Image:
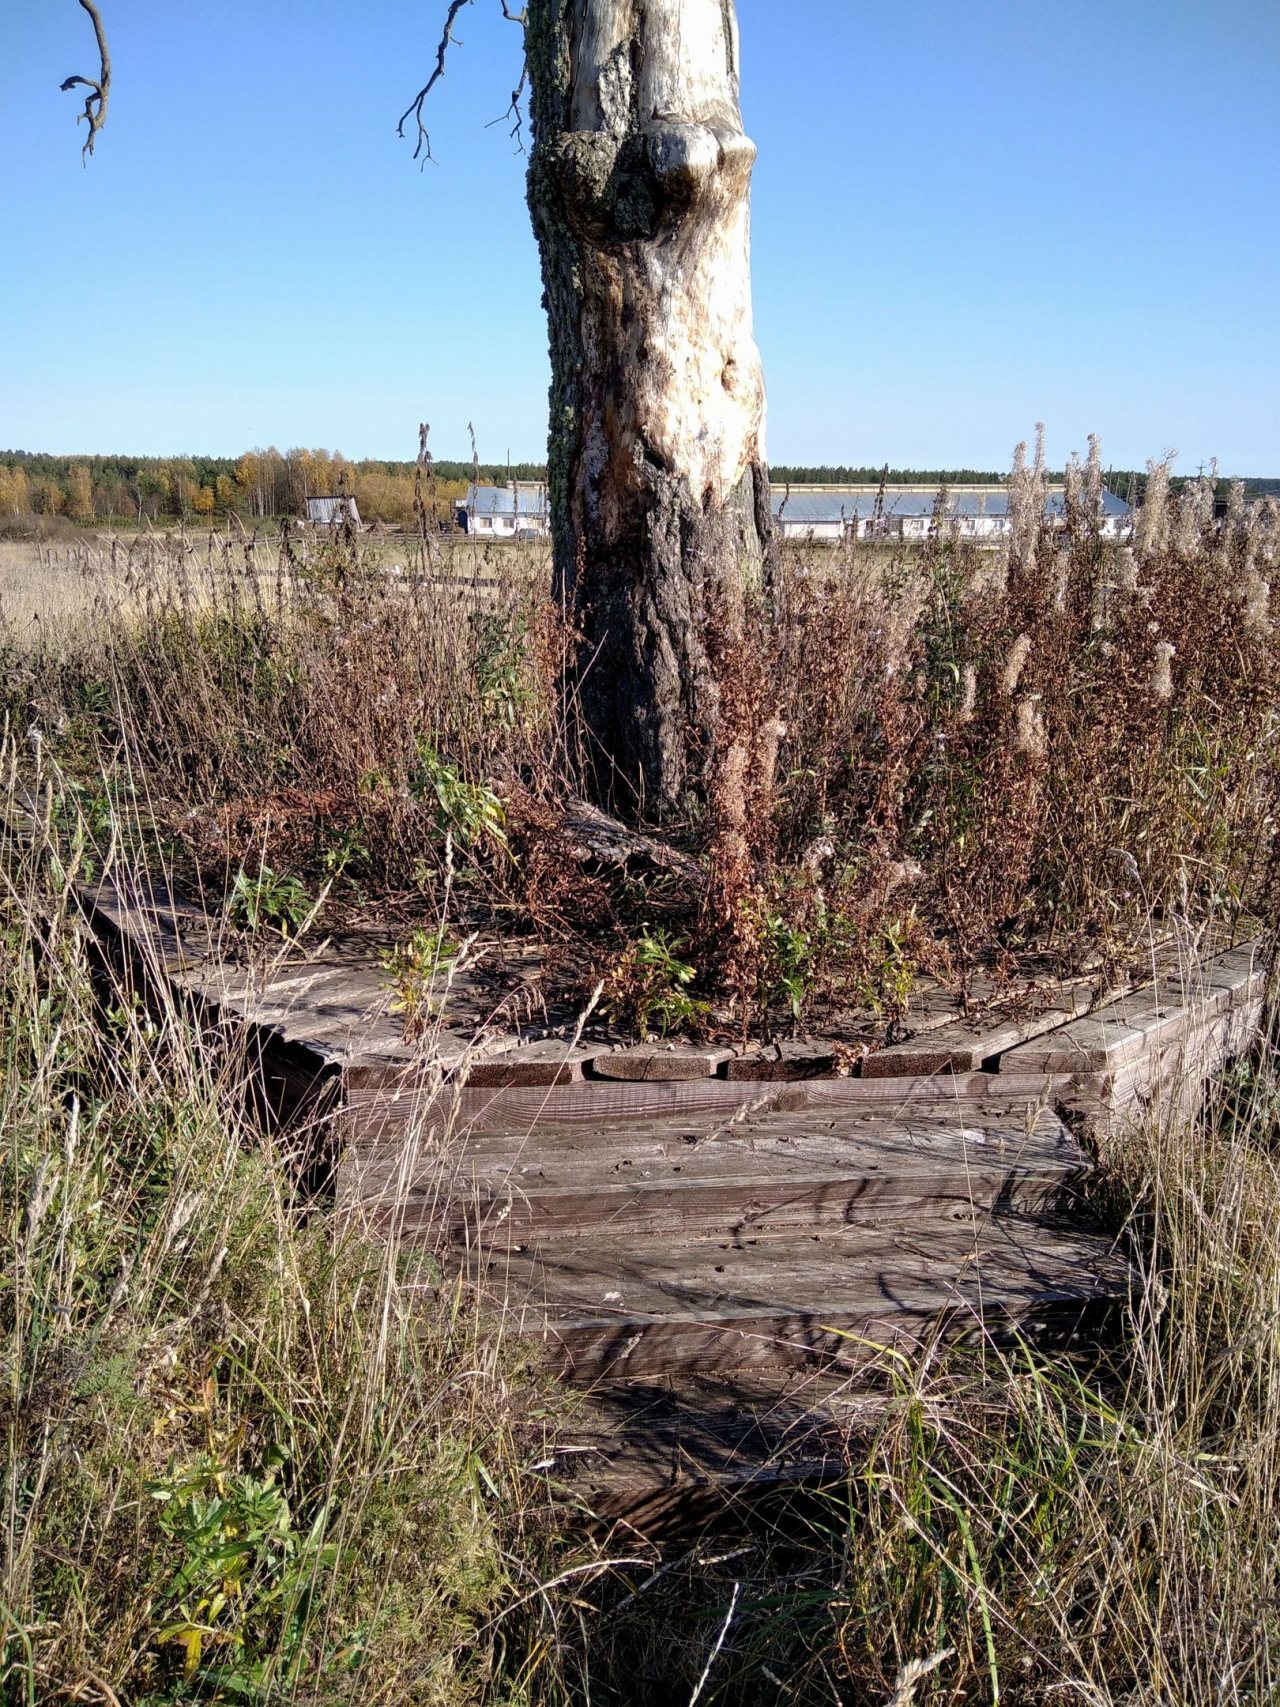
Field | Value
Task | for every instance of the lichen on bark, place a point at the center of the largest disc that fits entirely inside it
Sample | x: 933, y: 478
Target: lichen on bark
x: 639, y: 184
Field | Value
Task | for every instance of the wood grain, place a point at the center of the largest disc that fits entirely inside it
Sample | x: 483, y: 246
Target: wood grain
x: 688, y: 1305
x: 772, y: 1171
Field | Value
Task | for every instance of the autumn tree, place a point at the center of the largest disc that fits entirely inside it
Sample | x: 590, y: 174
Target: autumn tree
x: 80, y: 493
x: 15, y: 492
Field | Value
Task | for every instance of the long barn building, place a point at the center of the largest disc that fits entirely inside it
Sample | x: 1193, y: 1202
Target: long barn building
x: 821, y: 513
x: 835, y: 513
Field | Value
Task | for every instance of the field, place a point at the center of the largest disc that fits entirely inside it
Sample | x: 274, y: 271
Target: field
x: 50, y: 581
x: 245, y: 1461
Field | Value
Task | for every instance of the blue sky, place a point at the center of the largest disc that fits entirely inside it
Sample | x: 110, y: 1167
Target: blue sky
x: 969, y: 215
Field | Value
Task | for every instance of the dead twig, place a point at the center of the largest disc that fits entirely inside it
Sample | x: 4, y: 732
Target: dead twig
x: 95, y: 105
x: 416, y: 107
x: 422, y: 150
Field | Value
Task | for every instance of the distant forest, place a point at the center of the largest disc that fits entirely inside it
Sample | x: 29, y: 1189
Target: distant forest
x: 259, y: 485
x: 267, y: 484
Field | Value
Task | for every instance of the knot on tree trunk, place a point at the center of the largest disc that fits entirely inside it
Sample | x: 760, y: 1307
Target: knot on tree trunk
x: 640, y: 186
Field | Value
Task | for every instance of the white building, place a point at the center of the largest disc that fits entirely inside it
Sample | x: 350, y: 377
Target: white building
x: 332, y: 512
x: 835, y: 513
x: 828, y: 514
x: 517, y: 511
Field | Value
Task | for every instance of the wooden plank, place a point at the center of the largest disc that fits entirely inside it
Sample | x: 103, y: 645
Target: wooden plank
x: 1171, y: 1080
x: 773, y: 1172
x: 1115, y: 1036
x: 667, y: 1450
x: 1187, y: 969
x: 789, y: 1058
x: 169, y: 934
x: 549, y: 1061
x: 966, y: 1045
x: 688, y: 1305
x: 958, y: 1048
x: 1092, y: 1045
x: 927, y: 1137
x: 660, y: 1063
x: 374, y: 1110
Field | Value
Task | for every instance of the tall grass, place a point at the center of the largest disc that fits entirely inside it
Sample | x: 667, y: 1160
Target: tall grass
x: 957, y: 757
x: 250, y: 1456
x: 246, y: 1454
x: 1041, y: 747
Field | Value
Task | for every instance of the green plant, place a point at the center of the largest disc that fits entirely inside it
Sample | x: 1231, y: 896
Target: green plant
x: 648, y: 987
x: 498, y: 662
x: 891, y: 975
x: 468, y: 811
x: 789, y: 955
x: 240, y: 1603
x: 268, y: 900
x: 350, y: 849
x: 413, y: 970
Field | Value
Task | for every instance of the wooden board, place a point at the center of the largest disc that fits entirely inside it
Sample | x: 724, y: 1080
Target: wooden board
x: 960, y: 1047
x: 808, y: 1058
x: 1119, y: 1034
x: 657, y: 1063
x: 668, y: 1451
x: 684, y: 1305
x: 769, y: 1173
x: 1171, y: 1080
x: 548, y: 1061
x: 373, y: 1113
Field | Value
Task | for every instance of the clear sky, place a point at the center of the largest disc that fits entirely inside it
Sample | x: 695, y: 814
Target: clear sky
x: 969, y: 215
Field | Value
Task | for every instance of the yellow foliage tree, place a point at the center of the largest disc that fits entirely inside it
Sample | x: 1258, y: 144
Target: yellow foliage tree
x: 80, y: 493
x: 48, y: 498
x: 15, y: 492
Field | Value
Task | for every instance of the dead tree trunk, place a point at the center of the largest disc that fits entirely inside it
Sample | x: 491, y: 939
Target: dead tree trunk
x: 639, y: 186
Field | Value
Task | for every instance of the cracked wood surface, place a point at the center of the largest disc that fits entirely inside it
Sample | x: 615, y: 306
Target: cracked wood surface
x: 827, y: 1298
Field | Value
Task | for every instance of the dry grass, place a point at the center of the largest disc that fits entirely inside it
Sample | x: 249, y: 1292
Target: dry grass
x: 1041, y: 750
x: 983, y: 759
x: 246, y: 1453
x: 57, y: 583
x: 44, y: 588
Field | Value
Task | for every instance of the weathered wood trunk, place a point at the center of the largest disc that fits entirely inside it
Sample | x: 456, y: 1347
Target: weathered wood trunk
x: 639, y: 186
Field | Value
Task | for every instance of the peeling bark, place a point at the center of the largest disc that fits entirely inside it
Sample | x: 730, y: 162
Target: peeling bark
x: 639, y: 187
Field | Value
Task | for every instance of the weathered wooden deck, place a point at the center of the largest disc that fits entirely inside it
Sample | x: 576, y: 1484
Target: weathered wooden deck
x: 715, y: 1242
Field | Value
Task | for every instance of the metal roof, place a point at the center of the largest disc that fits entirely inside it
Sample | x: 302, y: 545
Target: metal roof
x: 815, y: 507
x: 502, y: 501
x: 809, y: 508
x: 856, y: 503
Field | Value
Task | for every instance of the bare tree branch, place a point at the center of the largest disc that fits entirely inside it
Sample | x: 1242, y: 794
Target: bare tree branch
x: 414, y: 110
x: 513, y: 111
x: 95, y: 106
x: 513, y: 107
